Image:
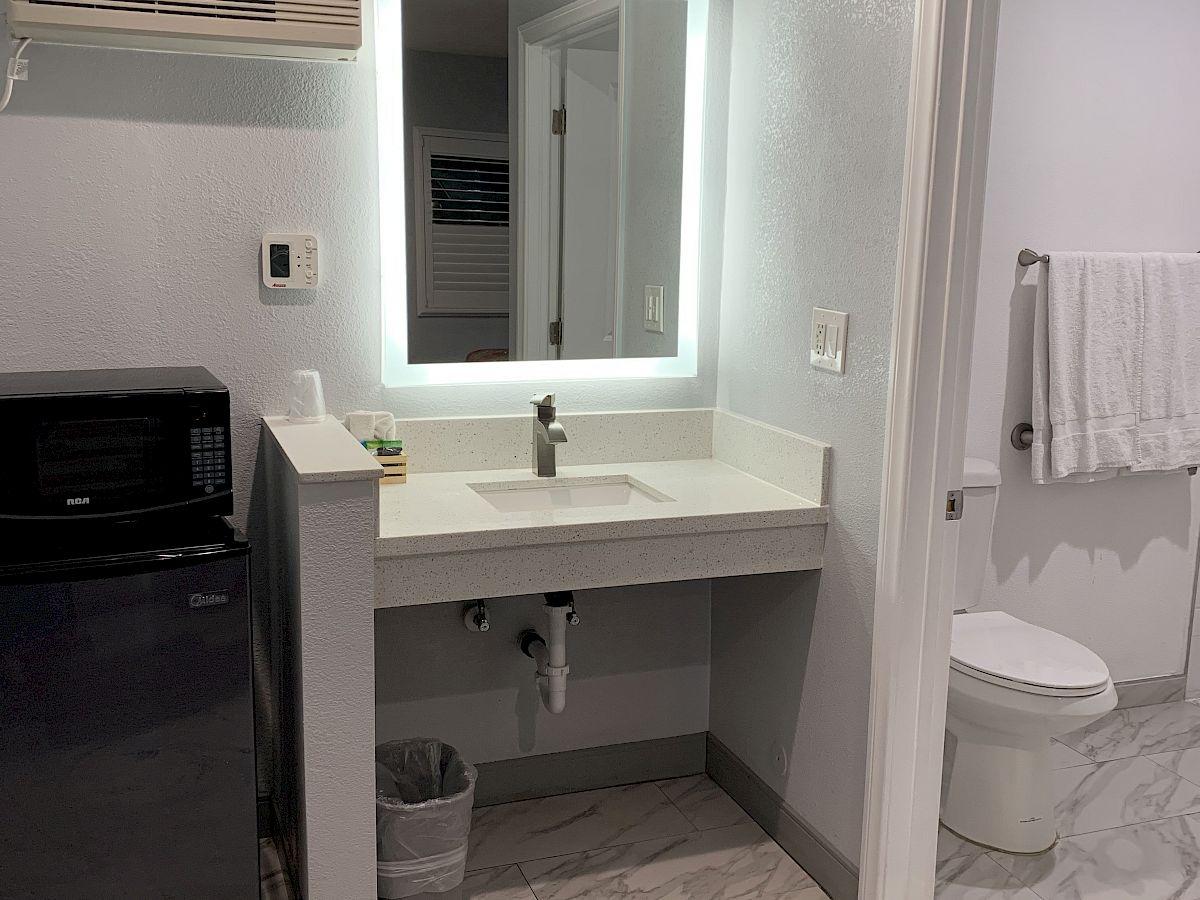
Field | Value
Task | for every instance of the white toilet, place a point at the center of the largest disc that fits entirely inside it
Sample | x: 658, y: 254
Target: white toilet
x: 1013, y: 687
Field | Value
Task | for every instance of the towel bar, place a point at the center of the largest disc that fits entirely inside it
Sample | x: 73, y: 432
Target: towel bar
x: 1022, y: 436
x: 1022, y: 439
x: 1027, y: 257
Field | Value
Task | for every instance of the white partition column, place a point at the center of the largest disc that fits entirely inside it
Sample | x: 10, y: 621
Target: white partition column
x: 324, y: 521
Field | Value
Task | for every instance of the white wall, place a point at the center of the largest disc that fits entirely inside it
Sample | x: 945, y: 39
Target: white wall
x: 817, y: 128
x: 135, y: 189
x: 1092, y: 147
x: 465, y: 93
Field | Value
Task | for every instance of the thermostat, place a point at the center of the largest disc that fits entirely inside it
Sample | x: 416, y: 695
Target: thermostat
x: 289, y: 261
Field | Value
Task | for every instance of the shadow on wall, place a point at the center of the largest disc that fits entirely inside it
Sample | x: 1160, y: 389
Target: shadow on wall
x: 185, y: 89
x: 1033, y: 522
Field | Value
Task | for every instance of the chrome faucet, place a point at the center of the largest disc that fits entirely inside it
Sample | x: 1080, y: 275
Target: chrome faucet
x: 546, y: 433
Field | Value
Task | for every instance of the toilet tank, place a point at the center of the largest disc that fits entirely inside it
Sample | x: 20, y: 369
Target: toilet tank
x: 981, y: 482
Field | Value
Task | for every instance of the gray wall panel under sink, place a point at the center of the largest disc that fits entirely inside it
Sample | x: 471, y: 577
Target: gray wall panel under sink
x: 639, y: 671
x: 590, y: 768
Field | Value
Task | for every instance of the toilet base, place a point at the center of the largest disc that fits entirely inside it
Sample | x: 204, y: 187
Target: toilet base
x: 1000, y: 792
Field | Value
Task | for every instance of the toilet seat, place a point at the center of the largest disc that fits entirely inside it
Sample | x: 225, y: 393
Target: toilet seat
x: 1001, y: 649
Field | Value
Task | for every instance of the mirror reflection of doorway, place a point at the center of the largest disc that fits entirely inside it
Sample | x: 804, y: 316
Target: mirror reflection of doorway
x: 587, y: 196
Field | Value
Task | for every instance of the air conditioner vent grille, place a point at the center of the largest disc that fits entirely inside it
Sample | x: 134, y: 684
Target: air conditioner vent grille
x: 322, y: 12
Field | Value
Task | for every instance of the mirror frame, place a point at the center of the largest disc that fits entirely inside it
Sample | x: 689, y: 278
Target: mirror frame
x: 393, y: 214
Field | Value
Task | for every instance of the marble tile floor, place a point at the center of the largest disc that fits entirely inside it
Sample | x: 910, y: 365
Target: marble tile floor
x: 1128, y: 807
x: 683, y: 839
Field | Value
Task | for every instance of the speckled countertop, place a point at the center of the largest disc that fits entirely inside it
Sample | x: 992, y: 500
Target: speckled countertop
x: 440, y: 513
x: 322, y: 451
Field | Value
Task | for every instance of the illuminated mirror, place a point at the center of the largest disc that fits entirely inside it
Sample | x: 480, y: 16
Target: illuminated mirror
x: 540, y: 190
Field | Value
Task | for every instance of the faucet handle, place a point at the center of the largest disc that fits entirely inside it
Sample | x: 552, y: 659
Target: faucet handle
x: 542, y: 400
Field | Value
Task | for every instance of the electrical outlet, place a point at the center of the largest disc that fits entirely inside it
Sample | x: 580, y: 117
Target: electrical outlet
x: 828, y: 349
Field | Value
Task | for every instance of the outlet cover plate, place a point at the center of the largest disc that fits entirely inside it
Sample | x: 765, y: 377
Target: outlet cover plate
x: 654, y: 308
x: 827, y: 346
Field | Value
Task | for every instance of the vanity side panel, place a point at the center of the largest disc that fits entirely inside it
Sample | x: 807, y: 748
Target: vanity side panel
x: 337, y: 673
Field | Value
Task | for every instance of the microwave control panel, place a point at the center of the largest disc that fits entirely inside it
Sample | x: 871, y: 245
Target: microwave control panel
x: 209, y: 457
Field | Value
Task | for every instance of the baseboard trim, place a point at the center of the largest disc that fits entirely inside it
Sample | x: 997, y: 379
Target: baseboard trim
x: 837, y: 875
x: 590, y: 768
x: 1149, y: 691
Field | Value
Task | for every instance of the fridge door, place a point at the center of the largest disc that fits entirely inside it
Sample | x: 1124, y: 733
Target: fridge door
x: 126, y: 732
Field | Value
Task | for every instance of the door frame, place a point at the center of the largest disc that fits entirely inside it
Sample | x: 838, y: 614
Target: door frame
x: 538, y: 95
x: 937, y: 269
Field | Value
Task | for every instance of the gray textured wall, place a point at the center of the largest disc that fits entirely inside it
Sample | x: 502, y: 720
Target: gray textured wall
x: 817, y: 131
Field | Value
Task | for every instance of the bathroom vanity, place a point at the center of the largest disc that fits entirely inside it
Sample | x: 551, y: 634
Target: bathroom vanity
x: 495, y: 530
x: 638, y: 498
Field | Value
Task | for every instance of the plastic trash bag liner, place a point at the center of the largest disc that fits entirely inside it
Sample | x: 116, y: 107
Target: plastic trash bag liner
x: 424, y: 791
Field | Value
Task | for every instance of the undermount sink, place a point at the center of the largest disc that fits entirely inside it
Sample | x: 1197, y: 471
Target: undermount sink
x: 568, y: 493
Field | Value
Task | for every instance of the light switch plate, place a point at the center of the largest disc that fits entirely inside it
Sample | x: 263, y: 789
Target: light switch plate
x: 654, y: 308
x: 827, y: 349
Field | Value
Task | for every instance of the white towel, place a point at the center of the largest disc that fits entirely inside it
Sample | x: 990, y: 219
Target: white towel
x: 1087, y: 347
x: 367, y: 425
x: 1169, y: 407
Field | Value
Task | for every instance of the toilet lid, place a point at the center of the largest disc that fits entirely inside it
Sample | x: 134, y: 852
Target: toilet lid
x: 1004, y: 647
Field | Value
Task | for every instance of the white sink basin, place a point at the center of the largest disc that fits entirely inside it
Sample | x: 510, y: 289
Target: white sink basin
x: 568, y: 493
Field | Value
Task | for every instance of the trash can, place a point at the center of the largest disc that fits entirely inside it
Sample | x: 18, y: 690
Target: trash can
x: 424, y: 791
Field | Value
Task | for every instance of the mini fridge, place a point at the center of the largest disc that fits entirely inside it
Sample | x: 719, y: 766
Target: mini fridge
x: 126, y: 714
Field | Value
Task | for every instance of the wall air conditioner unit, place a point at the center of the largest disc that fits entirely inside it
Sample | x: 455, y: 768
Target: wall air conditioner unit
x: 290, y: 29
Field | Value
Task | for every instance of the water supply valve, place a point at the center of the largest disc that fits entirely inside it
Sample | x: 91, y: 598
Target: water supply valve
x: 476, y: 617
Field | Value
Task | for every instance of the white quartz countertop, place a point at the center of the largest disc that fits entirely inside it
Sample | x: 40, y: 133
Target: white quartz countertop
x: 322, y: 451
x: 440, y: 512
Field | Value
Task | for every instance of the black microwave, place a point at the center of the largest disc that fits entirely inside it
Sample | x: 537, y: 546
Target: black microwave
x: 113, y: 444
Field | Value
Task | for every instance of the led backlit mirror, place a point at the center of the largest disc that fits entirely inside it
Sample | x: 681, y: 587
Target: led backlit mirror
x: 539, y: 175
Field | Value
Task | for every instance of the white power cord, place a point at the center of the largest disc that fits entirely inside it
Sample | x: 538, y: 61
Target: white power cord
x: 18, y: 70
